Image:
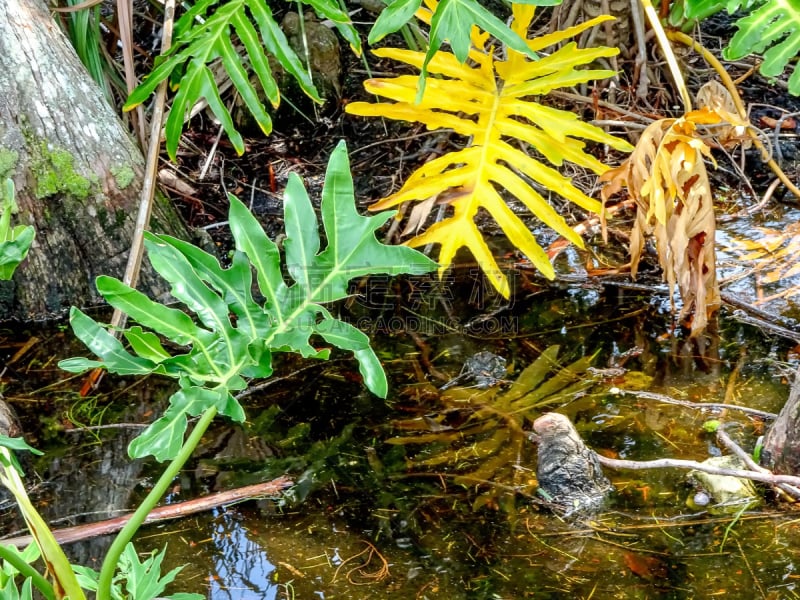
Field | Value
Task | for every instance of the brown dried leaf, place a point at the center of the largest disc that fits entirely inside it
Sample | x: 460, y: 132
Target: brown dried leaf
x: 419, y: 214
x: 666, y: 177
x: 714, y: 96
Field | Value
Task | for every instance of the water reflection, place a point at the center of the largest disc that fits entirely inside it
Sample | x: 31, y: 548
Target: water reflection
x: 240, y: 569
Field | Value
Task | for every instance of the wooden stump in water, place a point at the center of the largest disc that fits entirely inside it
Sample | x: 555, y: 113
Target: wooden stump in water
x: 567, y: 472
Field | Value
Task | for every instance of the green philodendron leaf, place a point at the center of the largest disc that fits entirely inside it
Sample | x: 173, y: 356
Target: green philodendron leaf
x: 332, y: 11
x: 250, y: 239
x: 771, y: 28
x: 169, y: 322
x: 186, y: 285
x: 452, y: 21
x: 204, y: 34
x: 345, y: 336
x: 392, y: 18
x: 217, y: 356
x: 235, y: 283
x: 114, y: 356
x: 302, y: 235
x: 164, y: 437
x: 14, y: 241
x: 13, y: 252
x: 143, y: 578
x: 353, y: 250
x: 146, y: 344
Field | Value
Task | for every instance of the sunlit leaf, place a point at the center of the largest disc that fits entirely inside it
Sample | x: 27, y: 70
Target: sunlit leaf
x: 511, y: 138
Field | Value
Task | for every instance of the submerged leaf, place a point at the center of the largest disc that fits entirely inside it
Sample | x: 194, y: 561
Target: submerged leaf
x: 491, y: 437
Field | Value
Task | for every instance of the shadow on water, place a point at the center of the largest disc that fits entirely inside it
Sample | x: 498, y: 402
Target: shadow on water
x: 371, y: 519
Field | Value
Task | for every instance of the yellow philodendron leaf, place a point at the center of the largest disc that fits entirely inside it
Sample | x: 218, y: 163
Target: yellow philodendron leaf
x: 512, y: 137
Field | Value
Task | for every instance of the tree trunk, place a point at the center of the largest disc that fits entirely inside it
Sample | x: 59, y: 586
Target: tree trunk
x: 78, y: 173
x: 781, y: 452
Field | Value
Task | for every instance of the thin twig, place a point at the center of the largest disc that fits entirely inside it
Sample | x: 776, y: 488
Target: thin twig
x: 752, y: 573
x: 726, y: 441
x: 675, y: 463
x: 701, y: 405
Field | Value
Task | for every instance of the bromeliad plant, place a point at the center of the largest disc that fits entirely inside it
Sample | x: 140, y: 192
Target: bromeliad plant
x: 512, y: 137
x: 233, y: 337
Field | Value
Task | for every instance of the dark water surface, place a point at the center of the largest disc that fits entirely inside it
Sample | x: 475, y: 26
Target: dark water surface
x: 371, y: 519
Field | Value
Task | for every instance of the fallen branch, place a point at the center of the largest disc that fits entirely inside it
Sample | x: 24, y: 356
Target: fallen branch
x: 790, y: 490
x: 674, y: 463
x: 702, y: 405
x: 69, y: 535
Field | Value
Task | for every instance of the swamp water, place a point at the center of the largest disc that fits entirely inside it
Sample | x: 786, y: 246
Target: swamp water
x: 449, y: 514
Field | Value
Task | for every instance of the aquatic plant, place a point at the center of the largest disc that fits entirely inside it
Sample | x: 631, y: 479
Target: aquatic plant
x: 219, y: 353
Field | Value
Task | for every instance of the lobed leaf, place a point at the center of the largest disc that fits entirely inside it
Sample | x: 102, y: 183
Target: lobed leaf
x: 170, y: 322
x: 110, y: 350
x: 164, y: 437
x: 204, y: 35
x: 222, y: 351
x: 770, y: 28
x: 491, y: 103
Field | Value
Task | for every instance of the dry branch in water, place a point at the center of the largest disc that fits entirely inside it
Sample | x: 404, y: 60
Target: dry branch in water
x: 674, y: 463
x: 69, y: 535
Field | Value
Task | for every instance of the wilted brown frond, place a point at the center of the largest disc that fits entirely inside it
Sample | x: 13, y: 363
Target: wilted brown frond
x: 666, y: 177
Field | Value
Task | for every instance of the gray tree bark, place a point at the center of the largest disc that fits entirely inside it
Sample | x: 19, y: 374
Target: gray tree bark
x: 781, y: 452
x: 77, y: 172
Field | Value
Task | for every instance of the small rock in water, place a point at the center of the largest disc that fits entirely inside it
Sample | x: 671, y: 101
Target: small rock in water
x: 723, y: 494
x: 485, y: 368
